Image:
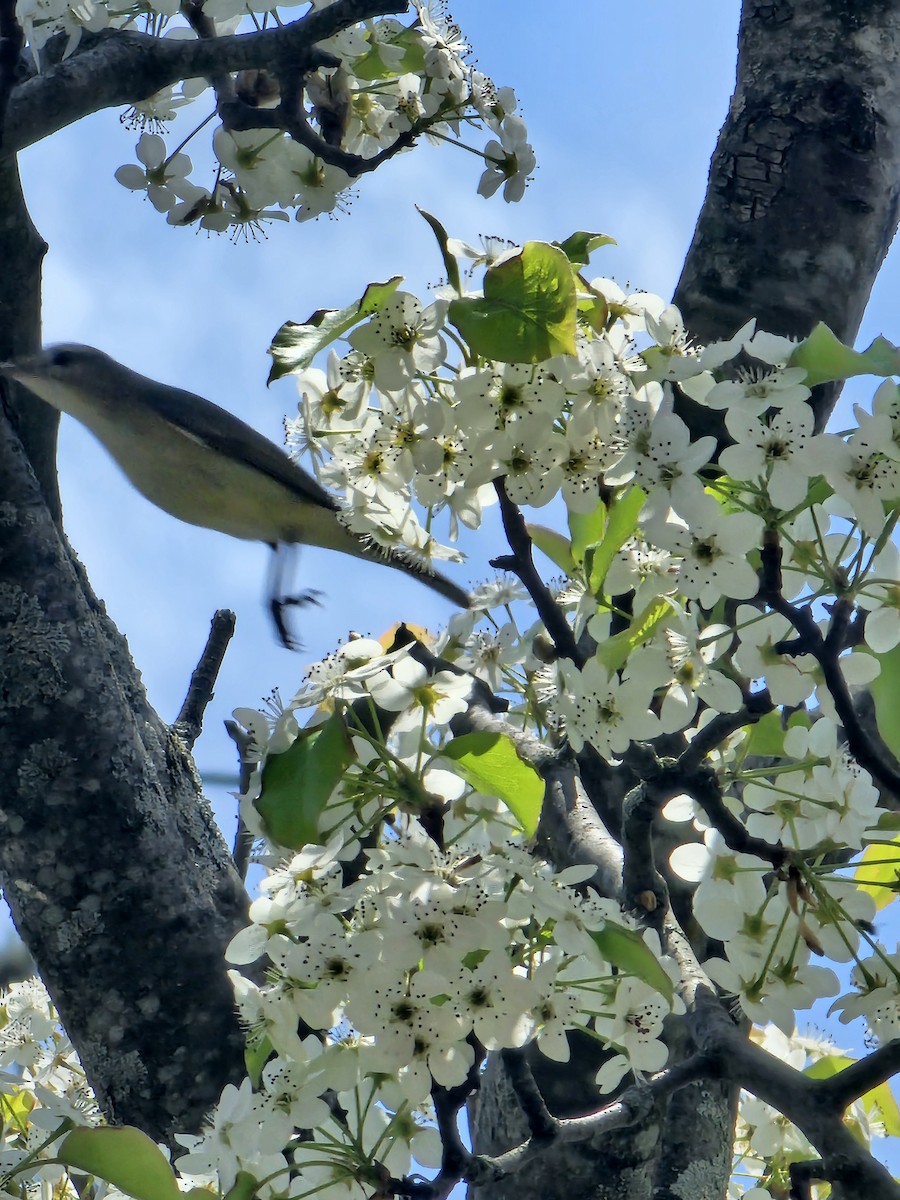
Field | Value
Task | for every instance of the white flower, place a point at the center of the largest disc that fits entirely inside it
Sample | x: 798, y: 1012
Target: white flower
x: 408, y: 685
x: 858, y: 469
x: 600, y: 709
x: 753, y: 391
x: 164, y: 180
x: 401, y: 339
x: 789, y: 679
x: 714, y: 545
x: 730, y: 885
x: 771, y: 454
x: 509, y: 161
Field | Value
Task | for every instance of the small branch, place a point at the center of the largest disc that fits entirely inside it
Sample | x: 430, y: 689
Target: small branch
x: 522, y: 565
x: 643, y: 887
x: 803, y: 1175
x: 189, y: 721
x: 854, y: 1081
x: 542, y: 1125
x: 635, y: 1103
x: 704, y: 788
x: 826, y: 651
x: 121, y: 67
x: 243, y: 838
x: 756, y: 705
x: 571, y: 830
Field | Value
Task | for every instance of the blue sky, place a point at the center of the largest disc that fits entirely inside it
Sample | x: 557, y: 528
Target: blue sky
x: 624, y: 104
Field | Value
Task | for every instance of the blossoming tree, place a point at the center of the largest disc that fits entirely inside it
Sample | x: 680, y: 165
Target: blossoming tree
x: 579, y: 862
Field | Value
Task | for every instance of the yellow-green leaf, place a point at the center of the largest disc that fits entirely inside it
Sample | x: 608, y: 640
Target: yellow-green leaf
x: 243, y: 1188
x: 124, y: 1157
x: 527, y: 313
x: 371, y: 66
x: 614, y: 652
x: 766, y: 739
x: 257, y: 1053
x: 578, y: 247
x: 824, y: 357
x: 489, y: 762
x: 297, y: 784
x: 555, y: 545
x: 587, y: 530
x: 885, y: 689
x: 878, y: 871
x: 621, y: 524
x: 296, y: 345
x: 627, y: 950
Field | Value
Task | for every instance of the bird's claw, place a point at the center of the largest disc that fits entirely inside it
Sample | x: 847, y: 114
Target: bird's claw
x: 277, y: 606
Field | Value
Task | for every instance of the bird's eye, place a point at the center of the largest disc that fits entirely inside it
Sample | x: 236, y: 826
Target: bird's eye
x: 63, y: 358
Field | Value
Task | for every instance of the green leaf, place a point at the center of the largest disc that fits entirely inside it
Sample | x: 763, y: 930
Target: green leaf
x: 882, y: 1099
x: 257, y: 1053
x: 614, y: 652
x: 371, y: 66
x: 555, y: 545
x: 621, y: 524
x: 579, y: 246
x: 295, y: 346
x: 878, y: 872
x: 587, y: 530
x: 297, y: 784
x: 451, y: 266
x: 528, y: 310
x: 766, y: 738
x: 124, y: 1157
x: 824, y: 357
x: 627, y: 950
x: 243, y: 1188
x: 489, y: 762
x: 885, y: 689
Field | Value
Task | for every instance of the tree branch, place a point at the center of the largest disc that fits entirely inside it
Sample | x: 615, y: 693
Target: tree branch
x: 121, y: 67
x: 189, y: 722
x: 521, y: 564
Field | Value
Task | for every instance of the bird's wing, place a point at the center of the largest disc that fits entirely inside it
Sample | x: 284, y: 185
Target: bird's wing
x: 229, y: 435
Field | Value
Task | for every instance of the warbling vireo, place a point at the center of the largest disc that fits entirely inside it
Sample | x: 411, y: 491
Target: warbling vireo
x: 199, y: 462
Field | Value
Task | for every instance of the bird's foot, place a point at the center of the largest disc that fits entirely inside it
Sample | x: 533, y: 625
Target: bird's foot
x: 277, y: 606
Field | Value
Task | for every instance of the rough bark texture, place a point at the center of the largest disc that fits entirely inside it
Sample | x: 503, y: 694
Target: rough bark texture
x: 800, y: 210
x: 804, y: 184
x: 116, y: 875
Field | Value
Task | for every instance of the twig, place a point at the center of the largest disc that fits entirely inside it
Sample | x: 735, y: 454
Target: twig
x: 189, y: 721
x: 826, y: 651
x: 756, y: 705
x: 243, y: 838
x: 860, y: 1077
x: 542, y: 1125
x: 521, y: 564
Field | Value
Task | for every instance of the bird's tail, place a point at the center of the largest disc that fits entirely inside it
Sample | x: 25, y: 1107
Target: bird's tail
x: 410, y: 566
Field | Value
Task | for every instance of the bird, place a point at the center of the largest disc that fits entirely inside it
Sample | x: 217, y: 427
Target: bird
x: 200, y: 463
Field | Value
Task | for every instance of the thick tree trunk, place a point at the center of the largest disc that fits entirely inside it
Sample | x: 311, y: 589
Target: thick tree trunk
x: 800, y: 210
x: 118, y: 879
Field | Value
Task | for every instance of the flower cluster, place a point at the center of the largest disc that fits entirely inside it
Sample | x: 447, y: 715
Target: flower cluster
x: 719, y: 605
x: 395, y: 83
